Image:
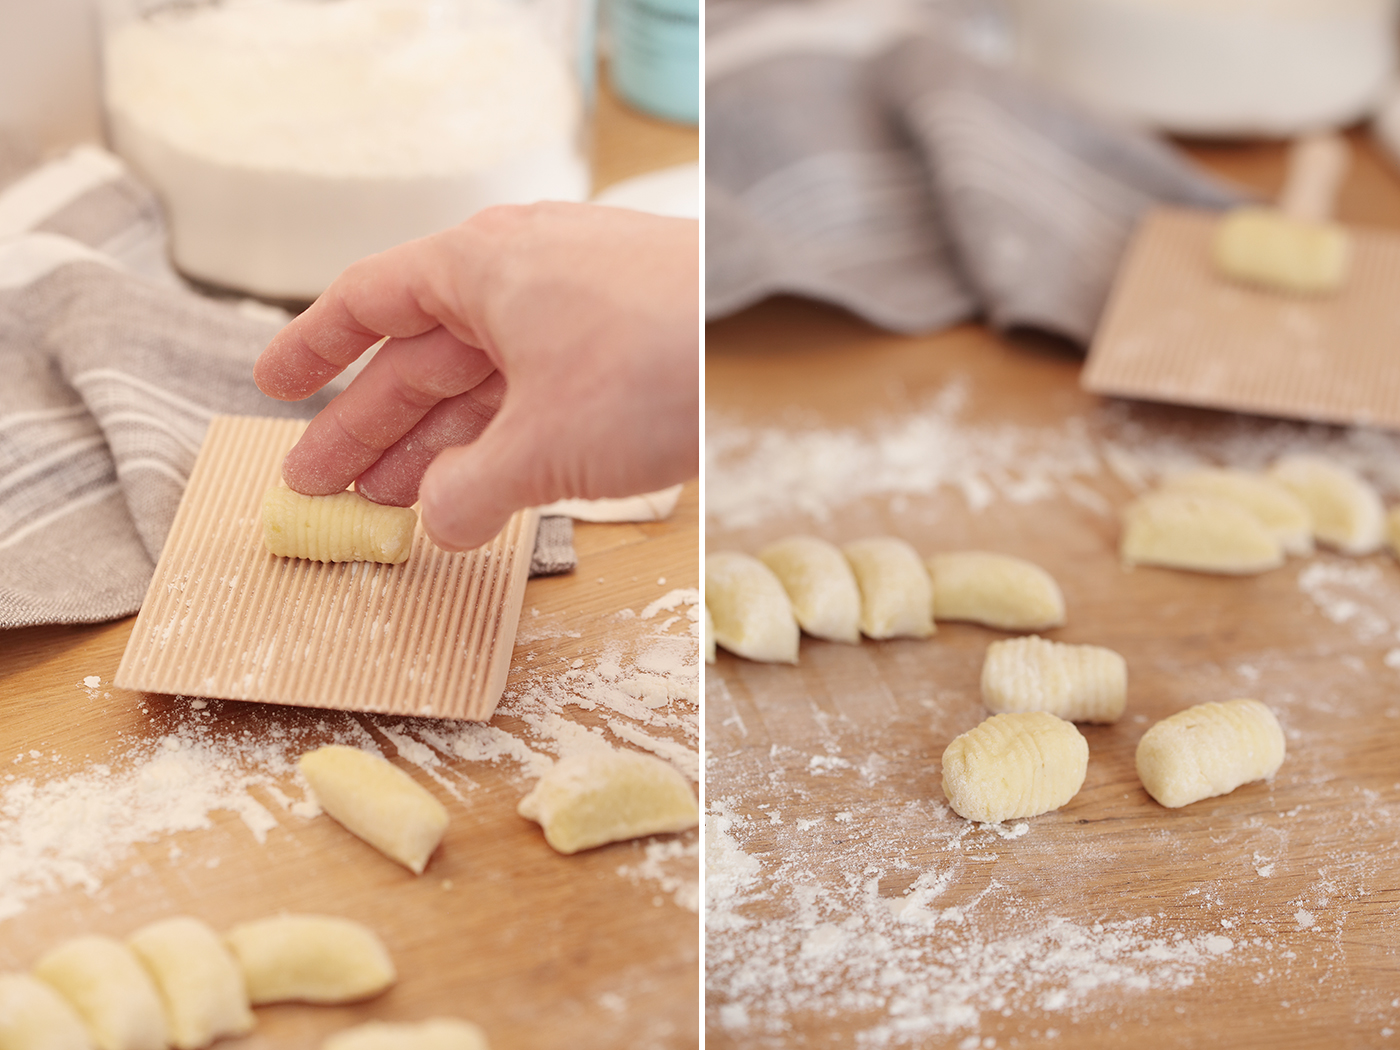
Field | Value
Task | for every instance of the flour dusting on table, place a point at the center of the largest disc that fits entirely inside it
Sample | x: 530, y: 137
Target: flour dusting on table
x: 756, y: 473
x: 68, y: 823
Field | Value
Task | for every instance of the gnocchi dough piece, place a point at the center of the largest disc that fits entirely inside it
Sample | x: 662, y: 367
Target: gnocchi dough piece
x: 1268, y: 248
x: 33, y: 1016
x: 1190, y: 530
x: 1273, y: 503
x: 343, y: 526
x: 1346, y: 511
x: 820, y: 584
x: 752, y: 613
x: 200, y: 984
x: 377, y: 801
x: 1013, y: 766
x: 709, y: 636
x: 608, y: 796
x: 997, y: 590
x: 1209, y: 750
x: 896, y: 595
x: 1079, y: 683
x: 105, y: 982
x: 309, y: 959
x: 441, y: 1033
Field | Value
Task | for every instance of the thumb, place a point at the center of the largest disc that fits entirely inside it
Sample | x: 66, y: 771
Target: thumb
x: 470, y: 491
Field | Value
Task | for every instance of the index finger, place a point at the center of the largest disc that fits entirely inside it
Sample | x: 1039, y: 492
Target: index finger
x: 373, y: 298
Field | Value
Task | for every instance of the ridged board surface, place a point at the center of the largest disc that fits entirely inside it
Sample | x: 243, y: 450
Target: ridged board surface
x: 224, y: 618
x: 1175, y: 331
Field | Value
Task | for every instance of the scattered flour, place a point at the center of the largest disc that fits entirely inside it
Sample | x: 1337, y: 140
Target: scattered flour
x: 756, y: 473
x: 76, y: 829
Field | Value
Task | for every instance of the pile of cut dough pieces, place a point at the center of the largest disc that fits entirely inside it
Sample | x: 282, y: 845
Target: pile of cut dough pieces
x: 1027, y: 758
x: 176, y: 982
x: 1239, y: 522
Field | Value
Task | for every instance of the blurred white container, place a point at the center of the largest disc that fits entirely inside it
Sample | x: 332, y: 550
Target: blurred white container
x: 1215, y: 67
x: 49, y: 97
x: 288, y: 138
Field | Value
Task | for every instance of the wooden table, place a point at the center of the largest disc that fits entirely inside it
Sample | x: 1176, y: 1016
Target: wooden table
x: 599, y: 949
x: 851, y: 907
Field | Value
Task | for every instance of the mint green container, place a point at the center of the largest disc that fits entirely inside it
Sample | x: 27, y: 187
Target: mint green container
x: 656, y: 56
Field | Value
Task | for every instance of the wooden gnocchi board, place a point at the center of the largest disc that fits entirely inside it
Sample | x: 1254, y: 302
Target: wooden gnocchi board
x: 223, y: 618
x: 1175, y: 331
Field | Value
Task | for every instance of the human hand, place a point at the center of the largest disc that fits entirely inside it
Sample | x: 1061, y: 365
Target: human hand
x: 536, y: 352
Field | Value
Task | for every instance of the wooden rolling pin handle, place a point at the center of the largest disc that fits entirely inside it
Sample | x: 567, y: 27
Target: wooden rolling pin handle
x: 1317, y: 167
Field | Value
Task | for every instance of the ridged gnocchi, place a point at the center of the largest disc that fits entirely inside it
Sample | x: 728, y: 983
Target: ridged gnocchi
x: 896, y: 595
x: 105, y: 982
x: 1079, y: 683
x: 309, y: 959
x: 1209, y: 750
x: 1346, y: 510
x: 996, y: 590
x: 376, y: 801
x: 1275, y: 505
x: 1271, y: 249
x: 820, y: 584
x: 590, y: 799
x: 751, y: 611
x: 198, y: 979
x: 1013, y: 766
x: 343, y: 526
x: 1203, y: 533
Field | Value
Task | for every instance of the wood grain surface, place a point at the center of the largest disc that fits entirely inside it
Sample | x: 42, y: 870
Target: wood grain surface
x: 850, y: 906
x: 599, y: 949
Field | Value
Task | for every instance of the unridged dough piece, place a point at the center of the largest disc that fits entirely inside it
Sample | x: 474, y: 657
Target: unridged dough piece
x: 200, y: 984
x: 1014, y: 766
x: 35, y: 1017
x: 752, y: 613
x: 377, y: 801
x: 1347, y: 512
x: 1273, y: 503
x: 896, y: 595
x: 437, y: 1034
x: 1189, y: 530
x: 1209, y: 750
x: 309, y: 959
x: 820, y: 584
x: 343, y: 526
x: 1079, y: 683
x: 105, y: 982
x: 590, y: 799
x: 996, y: 590
x: 1268, y: 248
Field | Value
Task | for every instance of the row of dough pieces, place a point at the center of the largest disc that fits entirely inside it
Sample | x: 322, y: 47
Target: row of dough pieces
x: 1210, y: 520
x: 176, y: 982
x: 1239, y: 522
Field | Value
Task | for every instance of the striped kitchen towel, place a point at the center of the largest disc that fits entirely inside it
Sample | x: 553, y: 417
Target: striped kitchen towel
x: 113, y: 369
x: 857, y: 156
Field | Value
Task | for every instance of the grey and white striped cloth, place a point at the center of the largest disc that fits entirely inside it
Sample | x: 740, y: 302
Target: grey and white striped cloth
x: 885, y: 170
x: 112, y: 370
